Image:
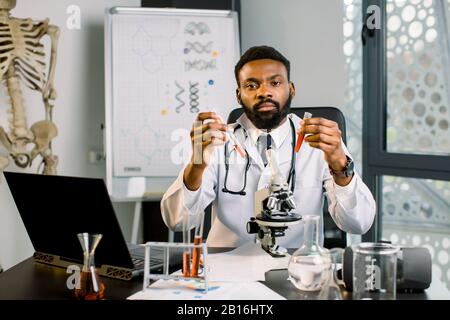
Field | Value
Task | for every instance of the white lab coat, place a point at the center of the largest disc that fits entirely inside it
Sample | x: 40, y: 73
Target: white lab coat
x: 352, y: 207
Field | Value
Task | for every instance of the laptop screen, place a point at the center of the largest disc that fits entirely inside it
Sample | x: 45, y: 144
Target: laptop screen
x: 54, y: 209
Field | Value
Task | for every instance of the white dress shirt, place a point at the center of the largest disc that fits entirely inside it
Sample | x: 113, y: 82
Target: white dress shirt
x: 352, y: 207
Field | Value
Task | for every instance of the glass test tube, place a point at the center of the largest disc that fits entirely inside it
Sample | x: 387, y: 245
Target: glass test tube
x: 186, y: 240
x: 196, y: 252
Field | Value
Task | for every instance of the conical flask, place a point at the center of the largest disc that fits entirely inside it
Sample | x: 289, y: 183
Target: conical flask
x: 309, y: 266
x: 90, y: 286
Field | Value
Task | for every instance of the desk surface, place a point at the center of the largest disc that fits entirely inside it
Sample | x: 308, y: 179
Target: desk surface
x: 29, y: 280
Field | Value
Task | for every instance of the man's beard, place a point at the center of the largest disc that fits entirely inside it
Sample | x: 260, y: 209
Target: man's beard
x: 268, y: 120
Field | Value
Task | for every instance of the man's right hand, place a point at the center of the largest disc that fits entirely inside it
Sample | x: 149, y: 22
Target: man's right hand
x: 208, y: 131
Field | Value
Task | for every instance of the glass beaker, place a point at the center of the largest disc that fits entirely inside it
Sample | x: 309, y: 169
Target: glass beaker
x: 374, y: 271
x: 90, y: 287
x: 309, y: 266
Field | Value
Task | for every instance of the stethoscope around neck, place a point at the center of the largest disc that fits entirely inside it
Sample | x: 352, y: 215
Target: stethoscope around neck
x: 242, y: 192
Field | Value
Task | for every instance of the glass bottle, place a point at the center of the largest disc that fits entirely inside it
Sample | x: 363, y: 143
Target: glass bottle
x: 90, y: 287
x: 309, y: 266
x: 331, y: 289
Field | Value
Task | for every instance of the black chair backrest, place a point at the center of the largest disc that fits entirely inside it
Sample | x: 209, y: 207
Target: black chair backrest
x: 330, y: 113
x: 333, y: 236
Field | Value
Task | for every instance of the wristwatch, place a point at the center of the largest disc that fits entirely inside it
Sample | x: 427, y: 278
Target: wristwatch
x: 347, y: 172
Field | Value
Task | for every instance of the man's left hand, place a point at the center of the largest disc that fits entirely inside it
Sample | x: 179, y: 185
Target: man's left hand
x: 325, y: 135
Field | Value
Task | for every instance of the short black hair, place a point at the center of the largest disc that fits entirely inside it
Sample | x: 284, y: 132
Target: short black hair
x: 259, y: 53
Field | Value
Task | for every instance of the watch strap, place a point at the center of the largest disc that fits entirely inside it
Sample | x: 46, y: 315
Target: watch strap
x: 346, y: 172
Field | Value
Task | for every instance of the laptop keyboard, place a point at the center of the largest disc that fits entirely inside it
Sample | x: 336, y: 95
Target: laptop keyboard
x: 157, y: 257
x: 139, y: 263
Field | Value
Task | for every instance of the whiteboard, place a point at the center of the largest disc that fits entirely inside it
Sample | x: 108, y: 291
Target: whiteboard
x: 163, y: 66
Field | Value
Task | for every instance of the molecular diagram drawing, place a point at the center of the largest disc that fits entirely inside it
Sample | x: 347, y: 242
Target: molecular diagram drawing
x: 198, y: 47
x: 200, y: 65
x: 178, y: 97
x: 153, y: 147
x: 194, y: 28
x: 193, y: 97
x: 152, y: 46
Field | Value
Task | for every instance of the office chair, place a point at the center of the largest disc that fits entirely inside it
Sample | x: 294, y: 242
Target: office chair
x: 333, y: 236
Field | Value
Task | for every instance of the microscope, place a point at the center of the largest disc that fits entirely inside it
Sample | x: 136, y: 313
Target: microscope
x: 273, y: 211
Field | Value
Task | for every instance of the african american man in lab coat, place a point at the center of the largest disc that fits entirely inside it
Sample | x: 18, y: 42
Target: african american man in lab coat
x: 265, y: 92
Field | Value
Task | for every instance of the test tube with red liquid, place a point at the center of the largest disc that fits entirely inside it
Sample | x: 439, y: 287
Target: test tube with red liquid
x: 301, y: 136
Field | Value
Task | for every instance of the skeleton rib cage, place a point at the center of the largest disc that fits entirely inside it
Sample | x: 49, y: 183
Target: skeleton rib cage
x: 20, y: 47
x: 22, y: 60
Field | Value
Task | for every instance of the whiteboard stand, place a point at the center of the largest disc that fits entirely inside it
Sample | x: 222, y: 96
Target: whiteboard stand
x: 137, y: 217
x: 136, y: 221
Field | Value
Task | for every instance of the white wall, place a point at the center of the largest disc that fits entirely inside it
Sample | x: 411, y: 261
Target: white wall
x: 309, y: 33
x: 78, y: 112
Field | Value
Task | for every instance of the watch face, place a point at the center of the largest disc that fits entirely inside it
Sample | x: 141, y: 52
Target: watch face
x: 350, y: 166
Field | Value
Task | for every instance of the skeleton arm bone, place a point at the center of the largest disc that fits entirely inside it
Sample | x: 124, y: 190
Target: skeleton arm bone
x: 4, y: 140
x: 49, y: 92
x: 4, y: 161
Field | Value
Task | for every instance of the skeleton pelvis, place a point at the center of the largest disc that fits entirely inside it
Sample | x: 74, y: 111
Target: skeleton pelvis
x: 43, y: 133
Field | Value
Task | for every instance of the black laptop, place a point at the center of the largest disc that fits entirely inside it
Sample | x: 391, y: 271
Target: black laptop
x: 54, y: 209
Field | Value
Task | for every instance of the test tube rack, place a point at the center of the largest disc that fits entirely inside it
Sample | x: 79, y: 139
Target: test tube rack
x: 148, y: 276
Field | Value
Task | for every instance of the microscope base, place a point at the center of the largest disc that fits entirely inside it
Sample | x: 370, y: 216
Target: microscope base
x: 267, y: 237
x: 276, y: 251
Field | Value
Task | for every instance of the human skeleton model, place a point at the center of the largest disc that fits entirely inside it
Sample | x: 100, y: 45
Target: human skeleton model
x: 22, y: 58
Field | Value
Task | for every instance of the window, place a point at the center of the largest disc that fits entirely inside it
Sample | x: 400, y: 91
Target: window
x: 405, y: 122
x: 417, y: 89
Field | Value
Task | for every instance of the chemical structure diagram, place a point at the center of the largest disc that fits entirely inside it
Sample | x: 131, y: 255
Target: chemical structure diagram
x: 152, y: 46
x: 151, y: 144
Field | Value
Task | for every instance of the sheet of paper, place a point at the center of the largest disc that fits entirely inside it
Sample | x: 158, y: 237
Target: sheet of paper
x: 244, y: 264
x: 194, y: 290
